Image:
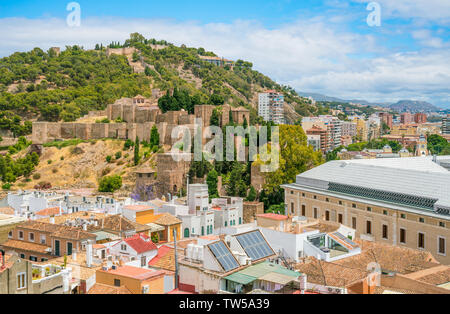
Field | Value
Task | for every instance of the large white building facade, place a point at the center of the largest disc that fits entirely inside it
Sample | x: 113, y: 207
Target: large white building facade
x: 271, y: 107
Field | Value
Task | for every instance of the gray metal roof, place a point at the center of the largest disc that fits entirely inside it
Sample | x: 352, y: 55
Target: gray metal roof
x: 425, y: 184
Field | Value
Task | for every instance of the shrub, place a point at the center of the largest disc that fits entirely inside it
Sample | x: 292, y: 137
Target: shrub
x: 55, y: 170
x: 43, y: 186
x: 62, y: 158
x: 128, y: 144
x: 108, y: 159
x: 76, y: 150
x: 49, y: 161
x: 36, y: 176
x: 6, y: 186
x: 110, y: 184
x: 106, y: 171
x: 118, y: 155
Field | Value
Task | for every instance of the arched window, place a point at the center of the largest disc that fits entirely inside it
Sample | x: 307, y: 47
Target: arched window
x: 186, y: 233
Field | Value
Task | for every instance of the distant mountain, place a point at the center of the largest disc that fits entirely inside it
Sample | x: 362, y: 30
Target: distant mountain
x: 401, y: 106
x: 414, y: 106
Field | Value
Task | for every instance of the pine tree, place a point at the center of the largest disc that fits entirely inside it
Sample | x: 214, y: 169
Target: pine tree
x: 136, y: 152
x: 154, y: 137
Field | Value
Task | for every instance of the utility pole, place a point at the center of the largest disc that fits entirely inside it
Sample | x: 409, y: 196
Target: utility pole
x: 176, y: 258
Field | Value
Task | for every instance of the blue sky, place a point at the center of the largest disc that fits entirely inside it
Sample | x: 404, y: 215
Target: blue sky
x: 323, y: 46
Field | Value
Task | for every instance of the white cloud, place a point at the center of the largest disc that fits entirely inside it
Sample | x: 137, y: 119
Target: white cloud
x: 436, y: 10
x: 309, y: 54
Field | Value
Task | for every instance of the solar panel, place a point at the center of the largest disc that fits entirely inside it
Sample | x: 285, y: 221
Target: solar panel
x: 224, y: 256
x: 254, y: 245
x: 346, y: 240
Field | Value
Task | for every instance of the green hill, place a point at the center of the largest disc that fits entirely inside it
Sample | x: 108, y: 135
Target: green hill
x: 39, y: 85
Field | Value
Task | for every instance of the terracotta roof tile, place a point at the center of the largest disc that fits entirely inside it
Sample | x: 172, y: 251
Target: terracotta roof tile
x: 59, y: 231
x: 167, y: 220
x: 165, y: 259
x: 26, y: 246
x: 135, y: 272
x: 273, y: 216
x: 52, y: 211
x: 99, y: 288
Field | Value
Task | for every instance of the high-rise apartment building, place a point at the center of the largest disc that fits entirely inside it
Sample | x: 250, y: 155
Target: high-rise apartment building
x: 331, y: 124
x: 446, y: 125
x: 420, y: 118
x: 406, y: 118
x: 387, y: 118
x: 271, y: 106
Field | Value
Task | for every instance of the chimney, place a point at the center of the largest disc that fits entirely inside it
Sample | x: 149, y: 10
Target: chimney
x: 89, y: 254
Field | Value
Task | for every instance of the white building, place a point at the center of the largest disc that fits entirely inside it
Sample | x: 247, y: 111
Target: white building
x: 136, y: 251
x: 271, y: 106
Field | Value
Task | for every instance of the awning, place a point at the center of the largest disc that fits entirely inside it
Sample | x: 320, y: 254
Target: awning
x: 240, y: 278
x: 278, y: 278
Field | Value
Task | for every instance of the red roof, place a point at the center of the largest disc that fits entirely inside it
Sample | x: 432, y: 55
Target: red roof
x: 273, y: 216
x: 136, y: 272
x: 140, y: 243
x: 162, y: 251
x: 52, y: 211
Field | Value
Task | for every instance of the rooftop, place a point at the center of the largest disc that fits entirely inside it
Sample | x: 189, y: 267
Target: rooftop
x: 99, y: 288
x: 52, y: 211
x: 25, y: 246
x: 273, y: 216
x: 140, y: 243
x: 372, y: 179
x: 135, y: 272
x: 138, y: 208
x: 59, y: 231
x: 165, y: 259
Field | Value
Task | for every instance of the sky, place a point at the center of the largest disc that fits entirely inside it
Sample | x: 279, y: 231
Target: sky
x: 316, y: 46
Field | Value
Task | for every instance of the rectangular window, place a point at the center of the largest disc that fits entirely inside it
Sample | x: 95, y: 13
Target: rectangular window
x: 403, y: 236
x: 442, y: 224
x: 442, y: 249
x: 421, y: 241
x: 369, y: 227
x: 385, y: 212
x: 304, y: 210
x: 369, y: 209
x: 403, y: 216
x: 354, y: 223
x: 315, y: 213
x: 10, y: 234
x: 117, y: 282
x: 31, y: 237
x: 354, y: 205
x: 385, y: 232
x: 328, y: 200
x: 123, y: 247
x: 20, y: 235
x: 327, y: 215
x: 422, y: 220
x: 292, y: 208
x: 43, y: 239
x: 21, y: 281
x: 340, y: 203
x: 340, y: 218
x: 143, y: 261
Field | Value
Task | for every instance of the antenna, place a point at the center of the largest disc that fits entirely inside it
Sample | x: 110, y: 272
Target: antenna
x: 176, y: 258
